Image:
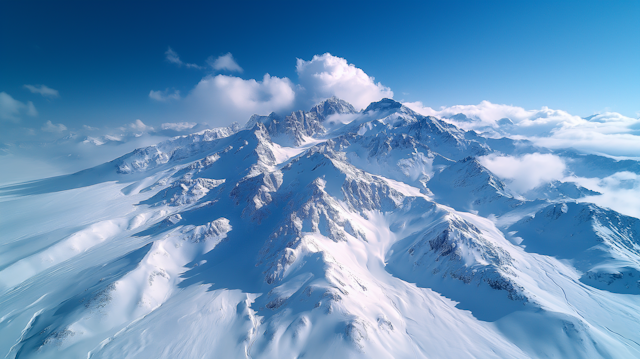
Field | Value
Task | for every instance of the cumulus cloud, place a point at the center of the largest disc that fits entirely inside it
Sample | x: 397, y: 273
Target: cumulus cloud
x: 11, y: 109
x: 163, y: 96
x: 43, y: 90
x: 225, y: 62
x: 53, y: 128
x: 224, y: 99
x: 327, y: 75
x: 525, y: 172
x: 173, y: 57
x: 609, y: 133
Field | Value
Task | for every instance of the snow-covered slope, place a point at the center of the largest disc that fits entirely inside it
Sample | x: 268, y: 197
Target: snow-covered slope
x: 328, y: 233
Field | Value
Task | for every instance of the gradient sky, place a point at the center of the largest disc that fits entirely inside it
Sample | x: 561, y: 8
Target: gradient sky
x: 105, y: 56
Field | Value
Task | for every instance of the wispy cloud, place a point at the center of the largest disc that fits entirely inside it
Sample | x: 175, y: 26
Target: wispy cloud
x: 11, y: 109
x: 43, y: 90
x: 53, y: 128
x: 163, y: 96
x: 225, y: 62
x: 178, y: 126
x: 173, y: 57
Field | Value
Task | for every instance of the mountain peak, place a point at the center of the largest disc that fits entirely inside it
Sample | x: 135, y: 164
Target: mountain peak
x: 332, y: 106
x: 384, y: 104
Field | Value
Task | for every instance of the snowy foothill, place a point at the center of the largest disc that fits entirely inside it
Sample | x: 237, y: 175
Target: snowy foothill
x: 376, y: 232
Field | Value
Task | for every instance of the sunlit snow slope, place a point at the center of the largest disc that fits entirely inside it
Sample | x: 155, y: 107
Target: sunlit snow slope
x: 324, y: 234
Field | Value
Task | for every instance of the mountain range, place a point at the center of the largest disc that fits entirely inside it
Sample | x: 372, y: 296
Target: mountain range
x: 324, y: 233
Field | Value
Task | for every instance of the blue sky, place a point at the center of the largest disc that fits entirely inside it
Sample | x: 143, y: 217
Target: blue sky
x: 105, y: 57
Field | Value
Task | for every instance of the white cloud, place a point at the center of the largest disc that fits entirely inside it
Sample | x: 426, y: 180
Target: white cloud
x: 11, y: 109
x: 620, y: 192
x: 327, y: 75
x: 487, y: 114
x: 225, y: 62
x: 53, y: 128
x: 178, y: 126
x: 221, y: 99
x: 43, y: 90
x: 138, y: 125
x: 173, y: 57
x: 225, y: 99
x: 610, y: 133
x: 526, y: 172
x: 163, y: 96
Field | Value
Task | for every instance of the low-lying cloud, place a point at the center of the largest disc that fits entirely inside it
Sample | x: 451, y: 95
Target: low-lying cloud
x: 65, y: 149
x: 606, y: 133
x: 620, y: 192
x: 526, y: 172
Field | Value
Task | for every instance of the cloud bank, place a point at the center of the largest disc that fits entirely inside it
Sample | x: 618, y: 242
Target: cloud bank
x: 606, y: 133
x: 55, y: 149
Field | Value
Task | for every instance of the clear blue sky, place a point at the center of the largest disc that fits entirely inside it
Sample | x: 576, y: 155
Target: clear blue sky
x: 105, y: 56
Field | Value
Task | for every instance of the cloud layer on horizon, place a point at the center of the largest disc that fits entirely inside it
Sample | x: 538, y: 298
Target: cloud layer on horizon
x: 56, y: 149
x: 607, y: 133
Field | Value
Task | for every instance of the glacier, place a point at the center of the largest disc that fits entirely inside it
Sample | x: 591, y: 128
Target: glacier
x: 324, y: 233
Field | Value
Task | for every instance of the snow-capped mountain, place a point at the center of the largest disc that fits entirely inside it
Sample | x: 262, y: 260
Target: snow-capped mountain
x: 327, y: 233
